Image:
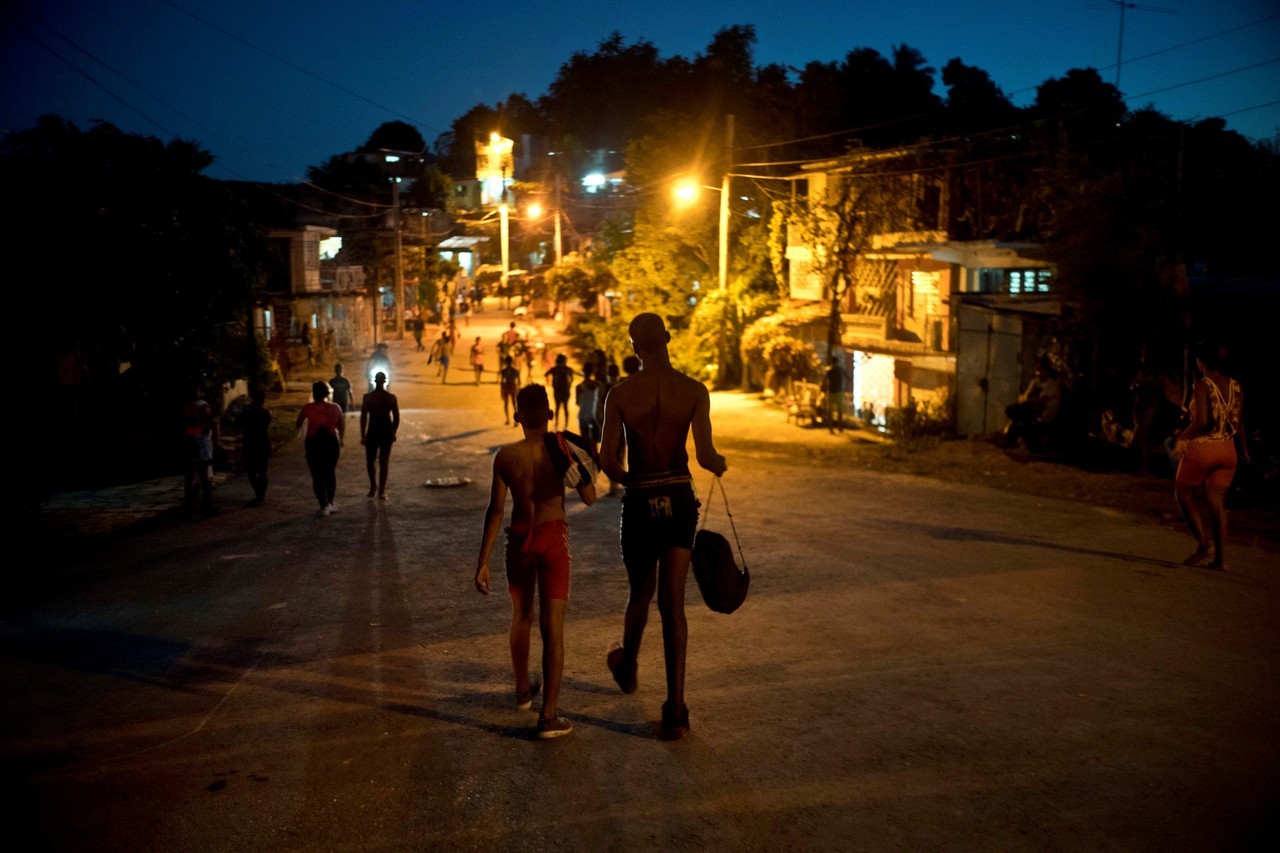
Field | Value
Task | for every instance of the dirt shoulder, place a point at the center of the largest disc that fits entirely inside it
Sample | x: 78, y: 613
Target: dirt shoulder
x: 974, y: 462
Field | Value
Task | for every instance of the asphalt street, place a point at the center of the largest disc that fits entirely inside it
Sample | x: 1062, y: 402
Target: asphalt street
x: 919, y: 666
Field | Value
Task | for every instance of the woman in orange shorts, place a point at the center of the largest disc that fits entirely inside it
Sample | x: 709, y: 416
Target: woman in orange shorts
x: 1206, y: 452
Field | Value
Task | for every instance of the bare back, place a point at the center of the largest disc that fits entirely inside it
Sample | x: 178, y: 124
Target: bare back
x: 537, y: 491
x: 656, y: 409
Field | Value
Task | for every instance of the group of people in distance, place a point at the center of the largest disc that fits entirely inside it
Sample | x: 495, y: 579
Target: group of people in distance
x: 647, y: 421
x: 324, y: 421
x: 644, y: 423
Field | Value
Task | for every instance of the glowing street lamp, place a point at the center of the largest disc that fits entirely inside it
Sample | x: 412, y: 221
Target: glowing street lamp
x: 686, y: 191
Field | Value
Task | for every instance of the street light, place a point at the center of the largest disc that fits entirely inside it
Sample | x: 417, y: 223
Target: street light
x: 686, y: 192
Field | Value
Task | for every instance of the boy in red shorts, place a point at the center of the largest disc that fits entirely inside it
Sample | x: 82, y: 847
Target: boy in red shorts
x: 537, y: 551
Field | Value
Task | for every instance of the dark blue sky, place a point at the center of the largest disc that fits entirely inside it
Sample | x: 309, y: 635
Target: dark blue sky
x: 273, y: 86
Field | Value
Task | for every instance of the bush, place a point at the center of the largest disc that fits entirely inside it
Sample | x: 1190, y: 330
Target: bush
x: 915, y: 420
x: 789, y: 360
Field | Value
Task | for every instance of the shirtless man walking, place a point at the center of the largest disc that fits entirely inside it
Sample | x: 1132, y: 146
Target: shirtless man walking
x: 537, y: 552
x: 653, y: 412
x: 379, y: 423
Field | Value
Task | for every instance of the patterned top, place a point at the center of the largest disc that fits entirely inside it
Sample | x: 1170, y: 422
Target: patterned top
x: 1224, y: 414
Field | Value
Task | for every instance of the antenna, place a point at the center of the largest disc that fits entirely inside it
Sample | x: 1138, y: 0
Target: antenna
x: 1122, y: 6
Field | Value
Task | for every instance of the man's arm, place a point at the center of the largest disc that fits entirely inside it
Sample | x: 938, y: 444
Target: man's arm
x: 395, y: 416
x: 492, y: 524
x: 364, y: 417
x: 704, y: 447
x: 611, y: 441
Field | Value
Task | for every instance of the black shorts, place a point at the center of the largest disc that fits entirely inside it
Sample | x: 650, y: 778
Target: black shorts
x: 655, y: 519
x: 378, y: 439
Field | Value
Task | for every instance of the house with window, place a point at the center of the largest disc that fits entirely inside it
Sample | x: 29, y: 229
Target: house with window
x: 948, y: 325
x: 313, y: 306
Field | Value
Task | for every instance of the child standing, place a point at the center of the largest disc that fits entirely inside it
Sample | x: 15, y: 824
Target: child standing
x: 537, y: 552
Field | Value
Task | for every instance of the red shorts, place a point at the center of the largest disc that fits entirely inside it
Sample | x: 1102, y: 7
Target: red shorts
x: 541, y: 555
x: 1212, y: 462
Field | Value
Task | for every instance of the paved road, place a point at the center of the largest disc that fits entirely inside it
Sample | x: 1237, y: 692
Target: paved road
x: 920, y: 666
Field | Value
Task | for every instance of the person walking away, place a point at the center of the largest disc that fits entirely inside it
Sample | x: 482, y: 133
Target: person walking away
x: 650, y: 416
x: 509, y: 385
x: 612, y: 377
x: 537, y: 553
x: 255, y: 443
x: 197, y: 451
x: 507, y: 342
x: 418, y: 328
x: 440, y: 352
x: 341, y: 388
x: 585, y: 397
x: 1207, y: 458
x: 833, y: 387
x: 326, y: 427
x: 477, y: 359
x: 561, y: 378
x: 379, y: 423
x: 379, y: 361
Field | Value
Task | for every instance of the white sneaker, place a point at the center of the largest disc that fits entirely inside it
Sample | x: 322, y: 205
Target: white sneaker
x: 322, y: 512
x: 331, y: 509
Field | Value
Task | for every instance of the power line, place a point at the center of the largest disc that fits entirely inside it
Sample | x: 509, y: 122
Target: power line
x: 863, y: 128
x: 86, y: 75
x: 300, y: 69
x: 1207, y: 78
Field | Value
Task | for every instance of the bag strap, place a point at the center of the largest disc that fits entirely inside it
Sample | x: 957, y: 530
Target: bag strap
x: 716, y: 481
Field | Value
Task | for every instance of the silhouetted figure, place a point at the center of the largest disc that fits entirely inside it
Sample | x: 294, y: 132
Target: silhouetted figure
x: 561, y: 378
x: 341, y: 386
x: 508, y: 386
x: 255, y: 443
x: 653, y: 413
x: 197, y: 450
x: 1034, y: 416
x: 326, y: 426
x: 833, y: 387
x: 379, y: 423
x: 1207, y: 458
x: 537, y: 553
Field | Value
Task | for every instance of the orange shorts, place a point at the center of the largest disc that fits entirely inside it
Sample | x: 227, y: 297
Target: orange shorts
x: 1212, y: 462
x: 539, y: 555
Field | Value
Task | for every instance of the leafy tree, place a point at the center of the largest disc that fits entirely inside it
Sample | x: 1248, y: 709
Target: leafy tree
x: 974, y: 102
x: 456, y: 148
x: 395, y: 136
x: 158, y: 290
x: 574, y: 278
x: 601, y: 99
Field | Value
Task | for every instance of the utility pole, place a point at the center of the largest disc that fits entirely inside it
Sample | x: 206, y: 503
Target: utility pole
x: 399, y: 292
x: 722, y: 347
x: 1120, y: 45
x: 558, y: 244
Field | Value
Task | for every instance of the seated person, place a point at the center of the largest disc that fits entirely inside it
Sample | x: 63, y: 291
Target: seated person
x: 1033, y: 416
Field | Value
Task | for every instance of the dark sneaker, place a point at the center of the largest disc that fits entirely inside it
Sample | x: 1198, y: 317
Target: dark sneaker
x: 674, y: 726
x: 556, y: 727
x: 524, y: 701
x: 624, y: 675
